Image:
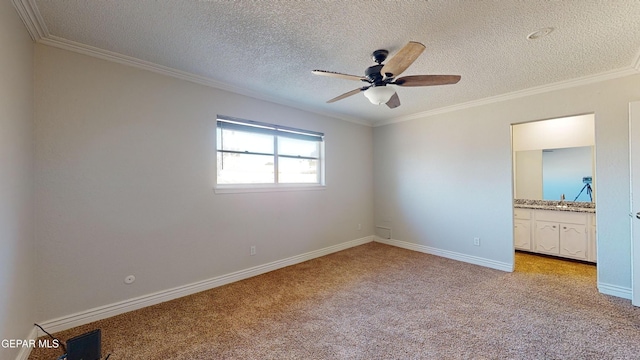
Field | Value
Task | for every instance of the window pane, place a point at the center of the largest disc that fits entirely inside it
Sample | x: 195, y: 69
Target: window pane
x: 244, y: 141
x: 245, y: 169
x: 297, y: 171
x: 297, y: 147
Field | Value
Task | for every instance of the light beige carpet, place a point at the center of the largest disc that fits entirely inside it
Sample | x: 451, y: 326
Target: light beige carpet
x: 380, y: 302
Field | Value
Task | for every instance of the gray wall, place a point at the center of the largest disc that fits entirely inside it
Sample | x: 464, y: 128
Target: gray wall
x: 124, y: 184
x: 444, y: 179
x: 17, y: 289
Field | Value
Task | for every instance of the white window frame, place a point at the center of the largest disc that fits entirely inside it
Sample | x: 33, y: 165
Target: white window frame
x: 276, y: 130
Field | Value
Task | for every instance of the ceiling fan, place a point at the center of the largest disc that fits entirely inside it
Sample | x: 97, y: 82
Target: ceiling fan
x: 381, y: 75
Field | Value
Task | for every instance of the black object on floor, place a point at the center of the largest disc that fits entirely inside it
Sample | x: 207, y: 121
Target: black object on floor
x: 87, y: 346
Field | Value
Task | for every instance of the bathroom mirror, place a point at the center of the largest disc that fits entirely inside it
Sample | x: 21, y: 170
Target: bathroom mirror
x: 551, y: 157
x: 547, y: 174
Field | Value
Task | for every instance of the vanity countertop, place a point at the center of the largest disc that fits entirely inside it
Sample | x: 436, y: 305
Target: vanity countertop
x: 573, y: 206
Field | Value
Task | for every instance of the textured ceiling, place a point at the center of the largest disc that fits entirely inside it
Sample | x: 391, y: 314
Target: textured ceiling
x: 270, y: 47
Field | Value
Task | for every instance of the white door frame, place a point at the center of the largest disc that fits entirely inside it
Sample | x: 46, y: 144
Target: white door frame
x: 634, y: 201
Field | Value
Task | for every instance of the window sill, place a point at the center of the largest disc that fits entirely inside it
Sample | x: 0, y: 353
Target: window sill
x: 236, y: 189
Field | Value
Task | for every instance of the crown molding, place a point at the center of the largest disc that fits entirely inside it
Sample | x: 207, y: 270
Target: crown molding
x: 38, y: 31
x: 61, y: 43
x: 30, y: 15
x: 614, y: 74
x: 31, y: 18
x: 636, y: 63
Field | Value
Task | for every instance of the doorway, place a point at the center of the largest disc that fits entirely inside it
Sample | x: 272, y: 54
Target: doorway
x: 554, y: 188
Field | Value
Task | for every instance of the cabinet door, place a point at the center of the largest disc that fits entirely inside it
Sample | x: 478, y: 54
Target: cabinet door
x: 547, y: 237
x: 592, y: 244
x: 591, y: 227
x: 573, y: 241
x: 522, y: 234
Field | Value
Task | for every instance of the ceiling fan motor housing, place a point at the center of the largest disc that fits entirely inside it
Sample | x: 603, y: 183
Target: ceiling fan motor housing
x: 374, y: 75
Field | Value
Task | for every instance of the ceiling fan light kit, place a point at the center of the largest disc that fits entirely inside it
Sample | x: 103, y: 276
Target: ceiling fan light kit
x: 379, y: 76
x: 379, y: 94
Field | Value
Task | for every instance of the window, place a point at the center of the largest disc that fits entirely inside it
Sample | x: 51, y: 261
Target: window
x: 254, y: 153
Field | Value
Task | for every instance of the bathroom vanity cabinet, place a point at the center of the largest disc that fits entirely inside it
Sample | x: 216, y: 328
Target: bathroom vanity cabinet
x: 564, y: 233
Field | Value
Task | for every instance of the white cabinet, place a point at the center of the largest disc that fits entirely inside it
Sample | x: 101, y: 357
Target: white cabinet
x: 559, y: 233
x: 574, y: 241
x: 522, y: 234
x: 547, y: 237
x: 593, y: 249
x: 522, y: 229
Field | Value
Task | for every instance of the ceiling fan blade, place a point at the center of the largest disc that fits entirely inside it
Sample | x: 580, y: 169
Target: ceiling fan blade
x: 394, y: 102
x: 427, y: 80
x: 347, y: 94
x: 402, y: 59
x: 339, y: 75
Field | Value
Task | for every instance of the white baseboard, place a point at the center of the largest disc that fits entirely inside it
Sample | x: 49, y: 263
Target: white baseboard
x: 615, y: 290
x: 26, y: 351
x: 448, y: 254
x: 103, y: 312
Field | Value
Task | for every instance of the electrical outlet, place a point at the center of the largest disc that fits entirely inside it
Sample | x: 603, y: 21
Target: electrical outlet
x: 253, y: 250
x: 476, y: 241
x: 359, y: 226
